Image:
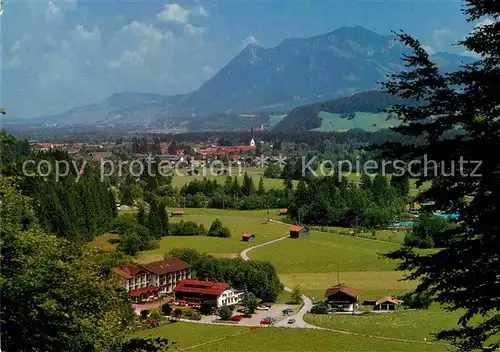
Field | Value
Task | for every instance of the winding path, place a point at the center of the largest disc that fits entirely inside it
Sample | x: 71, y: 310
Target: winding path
x: 299, y: 316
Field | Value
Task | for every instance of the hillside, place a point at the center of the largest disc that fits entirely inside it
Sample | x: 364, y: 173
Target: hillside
x: 298, y: 71
x: 308, y: 117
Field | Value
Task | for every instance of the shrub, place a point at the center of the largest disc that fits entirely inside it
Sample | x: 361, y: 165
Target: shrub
x: 144, y: 314
x: 192, y: 314
x: 206, y: 309
x: 218, y: 230
x: 320, y: 308
x: 413, y: 240
x: 417, y: 300
x: 225, y: 313
x: 186, y: 228
x: 155, y: 315
x: 296, y: 296
x: 166, y: 309
x: 177, y: 313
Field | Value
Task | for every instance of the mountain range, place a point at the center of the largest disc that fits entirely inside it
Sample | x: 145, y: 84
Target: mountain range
x: 298, y: 71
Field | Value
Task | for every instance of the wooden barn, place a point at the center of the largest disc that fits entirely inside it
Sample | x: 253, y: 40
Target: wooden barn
x: 298, y: 231
x: 248, y: 237
x: 283, y: 211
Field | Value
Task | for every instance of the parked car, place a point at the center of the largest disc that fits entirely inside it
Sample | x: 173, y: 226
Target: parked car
x: 287, y: 311
x: 266, y: 322
x: 236, y: 317
x: 262, y: 308
x: 291, y: 321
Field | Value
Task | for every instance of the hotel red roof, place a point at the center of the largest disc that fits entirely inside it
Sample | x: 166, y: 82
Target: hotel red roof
x: 128, y: 271
x: 201, y: 287
x: 141, y: 291
x: 296, y: 228
x: 166, y: 266
x: 351, y: 291
x: 157, y: 268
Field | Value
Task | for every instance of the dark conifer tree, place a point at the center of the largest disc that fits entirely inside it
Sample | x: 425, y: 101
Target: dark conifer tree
x: 162, y: 214
x: 261, y: 190
x: 141, y: 215
x: 465, y: 275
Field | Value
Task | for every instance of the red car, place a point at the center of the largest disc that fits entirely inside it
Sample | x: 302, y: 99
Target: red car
x: 236, y: 317
x: 266, y: 322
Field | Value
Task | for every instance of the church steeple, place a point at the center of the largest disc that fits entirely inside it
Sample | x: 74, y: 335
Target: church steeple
x: 252, y: 141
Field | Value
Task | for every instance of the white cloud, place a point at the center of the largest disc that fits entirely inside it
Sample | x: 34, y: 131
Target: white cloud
x: 80, y: 33
x: 174, y: 13
x: 52, y: 11
x: 15, y: 47
x: 129, y: 59
x: 485, y: 22
x: 201, y: 11
x: 251, y: 40
x: 428, y: 49
x: 191, y: 30
x: 52, y: 63
x: 443, y: 38
x: 208, y: 70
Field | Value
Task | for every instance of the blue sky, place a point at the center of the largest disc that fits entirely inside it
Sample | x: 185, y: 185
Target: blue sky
x: 58, y: 55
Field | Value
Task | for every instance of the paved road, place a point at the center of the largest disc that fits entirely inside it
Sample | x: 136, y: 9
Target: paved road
x: 244, y: 252
x: 298, y: 316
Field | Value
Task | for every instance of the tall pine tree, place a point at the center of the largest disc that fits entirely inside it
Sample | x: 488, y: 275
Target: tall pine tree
x: 461, y: 112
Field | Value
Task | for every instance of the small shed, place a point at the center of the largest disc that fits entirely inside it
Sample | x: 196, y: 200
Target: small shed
x: 283, y: 211
x: 298, y: 231
x: 247, y: 237
x: 177, y: 213
x: 387, y: 303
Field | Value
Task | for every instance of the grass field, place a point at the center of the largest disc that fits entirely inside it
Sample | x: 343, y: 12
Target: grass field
x: 314, y: 263
x: 323, y: 252
x: 269, y: 183
x: 201, y: 337
x: 364, y: 120
x: 225, y: 247
x: 256, y: 173
x: 371, y: 284
x: 395, y: 236
x: 406, y: 324
x: 102, y: 241
x: 261, y: 213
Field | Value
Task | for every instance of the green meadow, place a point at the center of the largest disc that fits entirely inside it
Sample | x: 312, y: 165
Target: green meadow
x: 203, y: 337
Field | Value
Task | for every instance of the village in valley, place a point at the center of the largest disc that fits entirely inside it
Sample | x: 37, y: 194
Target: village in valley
x: 285, y: 176
x: 328, y: 271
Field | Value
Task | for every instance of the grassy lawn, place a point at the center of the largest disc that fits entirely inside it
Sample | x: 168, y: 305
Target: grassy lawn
x: 237, y: 224
x: 395, y: 236
x: 102, y: 241
x: 255, y: 172
x: 261, y: 213
x: 323, y: 252
x: 407, y: 324
x: 201, y: 337
x: 371, y: 284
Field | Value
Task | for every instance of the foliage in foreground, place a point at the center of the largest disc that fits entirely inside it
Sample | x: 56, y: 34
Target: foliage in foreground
x: 465, y: 274
x: 57, y: 295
